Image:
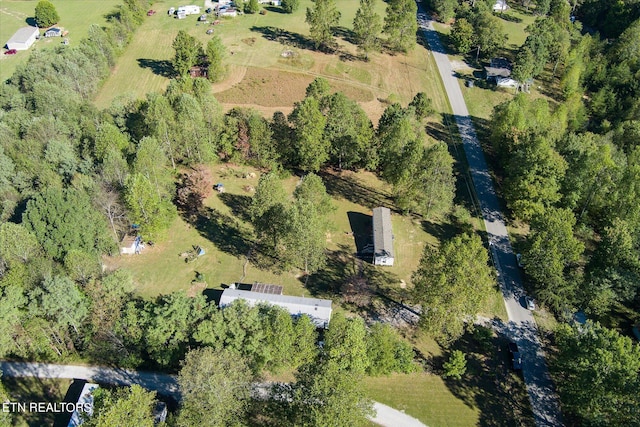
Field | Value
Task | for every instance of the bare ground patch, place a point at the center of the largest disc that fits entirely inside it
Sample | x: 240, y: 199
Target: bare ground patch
x: 276, y: 88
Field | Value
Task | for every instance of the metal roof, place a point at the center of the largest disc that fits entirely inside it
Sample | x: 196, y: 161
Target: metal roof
x: 382, y: 233
x: 319, y: 310
x: 23, y: 35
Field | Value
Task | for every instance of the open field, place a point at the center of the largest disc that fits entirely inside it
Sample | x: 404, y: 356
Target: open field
x: 75, y: 16
x: 259, y: 76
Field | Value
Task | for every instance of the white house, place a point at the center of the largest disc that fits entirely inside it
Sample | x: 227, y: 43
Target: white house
x: 382, y: 237
x: 318, y: 310
x: 23, y: 38
x: 500, y: 6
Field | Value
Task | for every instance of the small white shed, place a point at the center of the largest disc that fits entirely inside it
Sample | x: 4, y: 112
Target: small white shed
x: 23, y: 38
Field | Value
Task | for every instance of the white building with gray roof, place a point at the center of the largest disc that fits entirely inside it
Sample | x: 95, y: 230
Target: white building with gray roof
x: 382, y: 237
x: 23, y: 38
x: 319, y: 310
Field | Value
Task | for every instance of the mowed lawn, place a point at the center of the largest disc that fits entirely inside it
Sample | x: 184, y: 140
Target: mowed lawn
x: 227, y: 238
x: 423, y: 396
x: 75, y: 16
x: 260, y: 76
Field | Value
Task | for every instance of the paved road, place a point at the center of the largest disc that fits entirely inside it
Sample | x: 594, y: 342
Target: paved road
x: 162, y: 383
x: 522, y: 326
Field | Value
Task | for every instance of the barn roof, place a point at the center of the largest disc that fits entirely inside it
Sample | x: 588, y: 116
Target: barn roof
x: 382, y: 232
x: 23, y: 35
x: 319, y: 310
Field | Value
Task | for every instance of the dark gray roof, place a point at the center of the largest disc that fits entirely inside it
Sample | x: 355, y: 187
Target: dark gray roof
x: 382, y: 233
x: 499, y: 67
x: 319, y: 310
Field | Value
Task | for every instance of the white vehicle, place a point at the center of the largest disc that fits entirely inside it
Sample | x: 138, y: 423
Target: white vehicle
x: 531, y: 305
x: 189, y: 10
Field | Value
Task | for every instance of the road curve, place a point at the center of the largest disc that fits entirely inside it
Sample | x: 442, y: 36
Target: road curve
x: 522, y: 327
x: 164, y: 384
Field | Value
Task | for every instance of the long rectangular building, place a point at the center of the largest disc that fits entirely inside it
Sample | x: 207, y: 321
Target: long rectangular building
x: 382, y: 237
x: 319, y: 310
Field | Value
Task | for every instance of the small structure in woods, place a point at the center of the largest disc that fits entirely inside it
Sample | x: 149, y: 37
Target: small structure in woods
x: 131, y: 245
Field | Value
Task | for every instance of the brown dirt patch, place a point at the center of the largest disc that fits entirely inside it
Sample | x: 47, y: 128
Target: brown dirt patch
x: 196, y: 288
x: 276, y: 88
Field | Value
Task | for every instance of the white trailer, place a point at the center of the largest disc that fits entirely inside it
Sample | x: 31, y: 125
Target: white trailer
x: 189, y: 10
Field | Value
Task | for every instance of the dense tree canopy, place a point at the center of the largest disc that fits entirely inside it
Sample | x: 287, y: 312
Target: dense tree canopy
x: 452, y: 284
x: 400, y: 24
x: 46, y: 14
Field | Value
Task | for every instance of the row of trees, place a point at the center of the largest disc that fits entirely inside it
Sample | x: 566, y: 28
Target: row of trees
x: 477, y: 28
x: 399, y: 25
x: 217, y: 382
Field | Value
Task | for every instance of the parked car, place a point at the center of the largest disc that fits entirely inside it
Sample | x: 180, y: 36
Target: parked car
x: 11, y: 52
x: 519, y: 260
x: 515, y: 356
x: 531, y: 305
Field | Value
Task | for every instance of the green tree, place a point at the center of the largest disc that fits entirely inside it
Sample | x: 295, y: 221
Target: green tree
x: 63, y: 220
x: 82, y: 266
x: 216, y: 54
x: 12, y: 302
x: 422, y: 106
x: 489, y: 34
x: 349, y: 132
x: 308, y: 129
x: 387, y: 352
x: 534, y: 175
x: 451, y: 283
x: 306, y: 237
x: 269, y: 210
x: 173, y: 320
x: 152, y: 162
x: 313, y: 190
x: 129, y: 406
x: 108, y: 136
x: 462, y: 35
x: 599, y: 375
x: 46, y: 14
x: 445, y: 9
x: 326, y: 395
x: 400, y: 24
x: 551, y: 250
x: 188, y: 52
x: 290, y: 6
x: 251, y: 7
x: 305, y: 348
x: 153, y: 212
x: 216, y: 388
x: 456, y: 366
x: 345, y: 343
x: 319, y: 88
x: 321, y: 18
x: 367, y: 26
x: 17, y: 244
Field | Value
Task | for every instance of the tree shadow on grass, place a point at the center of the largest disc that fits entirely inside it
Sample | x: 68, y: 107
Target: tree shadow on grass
x: 284, y: 37
x: 30, y: 21
x: 160, y: 67
x: 489, y: 384
x: 276, y: 9
x: 224, y: 231
x: 348, y: 188
x: 344, y: 33
x: 238, y: 203
x: 340, y: 267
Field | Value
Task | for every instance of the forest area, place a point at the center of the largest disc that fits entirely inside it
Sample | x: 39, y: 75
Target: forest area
x: 73, y: 179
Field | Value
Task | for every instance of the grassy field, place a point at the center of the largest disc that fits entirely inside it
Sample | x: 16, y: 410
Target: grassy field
x: 75, y: 16
x: 259, y: 76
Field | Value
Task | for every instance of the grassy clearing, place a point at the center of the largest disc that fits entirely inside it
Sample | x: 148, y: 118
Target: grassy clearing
x: 259, y: 76
x: 423, y: 396
x: 35, y: 390
x: 227, y: 239
x: 75, y: 16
